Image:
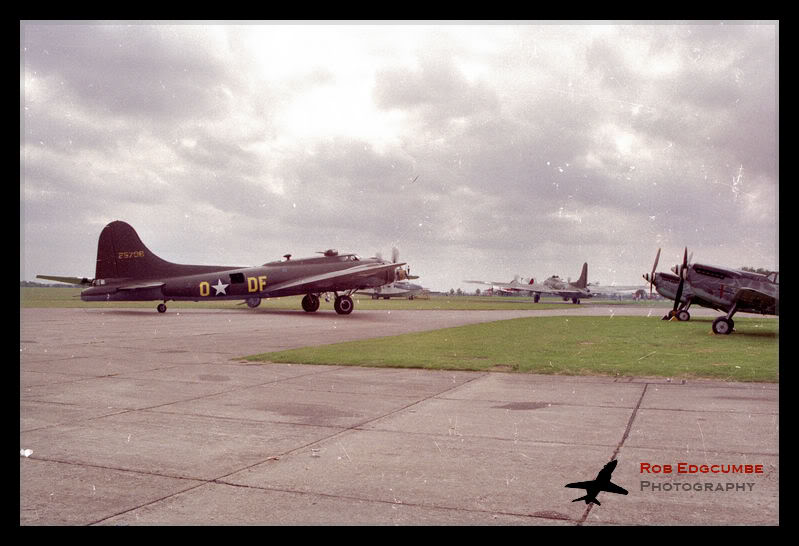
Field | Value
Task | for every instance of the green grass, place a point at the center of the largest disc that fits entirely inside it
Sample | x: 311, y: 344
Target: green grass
x: 618, y: 346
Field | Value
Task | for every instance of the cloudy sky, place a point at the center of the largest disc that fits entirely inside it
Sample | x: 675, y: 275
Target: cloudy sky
x: 481, y: 151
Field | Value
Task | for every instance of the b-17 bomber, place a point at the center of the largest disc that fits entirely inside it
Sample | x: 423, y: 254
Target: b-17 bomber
x: 127, y: 270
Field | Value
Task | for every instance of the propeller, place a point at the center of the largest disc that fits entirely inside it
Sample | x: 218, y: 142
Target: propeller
x: 682, y: 271
x: 402, y: 274
x: 651, y: 276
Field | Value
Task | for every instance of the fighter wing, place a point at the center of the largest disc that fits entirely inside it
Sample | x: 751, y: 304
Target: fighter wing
x: 755, y: 299
x: 581, y: 485
x: 611, y: 487
x: 353, y: 273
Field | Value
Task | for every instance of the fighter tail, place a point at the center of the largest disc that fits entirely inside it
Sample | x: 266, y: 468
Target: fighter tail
x: 588, y: 499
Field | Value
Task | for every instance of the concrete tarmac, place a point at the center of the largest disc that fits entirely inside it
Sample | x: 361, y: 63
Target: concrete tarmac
x: 131, y: 417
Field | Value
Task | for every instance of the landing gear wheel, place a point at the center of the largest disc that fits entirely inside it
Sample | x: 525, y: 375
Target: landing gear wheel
x: 252, y: 303
x: 722, y: 326
x: 310, y: 303
x: 161, y: 308
x: 536, y: 298
x: 575, y: 301
x: 343, y: 305
x: 683, y: 315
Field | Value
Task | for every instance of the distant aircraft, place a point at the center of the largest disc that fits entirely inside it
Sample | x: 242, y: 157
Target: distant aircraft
x: 128, y: 271
x: 553, y: 285
x: 601, y: 483
x: 720, y: 288
x: 399, y: 289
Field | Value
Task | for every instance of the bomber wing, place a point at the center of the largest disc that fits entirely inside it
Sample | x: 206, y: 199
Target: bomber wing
x: 353, y: 273
x: 755, y: 299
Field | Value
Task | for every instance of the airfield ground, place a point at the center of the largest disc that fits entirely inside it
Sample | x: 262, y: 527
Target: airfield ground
x: 132, y: 417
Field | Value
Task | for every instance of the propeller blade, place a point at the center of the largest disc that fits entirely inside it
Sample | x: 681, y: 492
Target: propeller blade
x: 652, y: 276
x: 395, y: 254
x: 682, y: 271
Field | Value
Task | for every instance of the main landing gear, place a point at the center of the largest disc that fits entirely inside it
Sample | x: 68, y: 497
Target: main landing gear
x: 725, y: 325
x: 343, y: 304
x: 161, y: 308
x: 310, y: 303
x: 682, y: 315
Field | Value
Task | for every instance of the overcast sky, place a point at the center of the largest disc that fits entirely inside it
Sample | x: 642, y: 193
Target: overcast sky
x: 534, y: 146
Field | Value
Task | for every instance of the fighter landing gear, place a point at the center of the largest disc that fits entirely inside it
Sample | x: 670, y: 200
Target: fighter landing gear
x: 681, y: 314
x: 725, y: 325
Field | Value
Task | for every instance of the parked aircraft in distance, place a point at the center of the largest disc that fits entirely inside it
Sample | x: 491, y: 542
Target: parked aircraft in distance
x: 720, y: 288
x: 399, y: 289
x: 128, y: 271
x: 601, y: 483
x: 552, y: 286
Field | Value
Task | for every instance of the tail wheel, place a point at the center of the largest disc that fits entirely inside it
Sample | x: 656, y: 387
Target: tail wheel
x: 343, y: 305
x: 310, y: 303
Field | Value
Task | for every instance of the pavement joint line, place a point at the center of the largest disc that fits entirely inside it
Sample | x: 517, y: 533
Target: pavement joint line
x: 619, y: 445
x: 393, y: 503
x: 155, y: 408
x: 342, y: 431
x: 220, y: 479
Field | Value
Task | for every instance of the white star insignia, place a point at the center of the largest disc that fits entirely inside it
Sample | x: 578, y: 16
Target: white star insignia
x: 220, y: 288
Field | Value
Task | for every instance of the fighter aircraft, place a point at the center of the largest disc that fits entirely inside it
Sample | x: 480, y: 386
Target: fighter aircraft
x: 399, y: 289
x: 553, y: 285
x: 601, y: 483
x: 720, y: 288
x: 666, y: 285
x: 128, y: 271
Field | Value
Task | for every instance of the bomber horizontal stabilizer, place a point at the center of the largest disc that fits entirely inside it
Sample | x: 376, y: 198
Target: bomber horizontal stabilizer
x: 68, y: 280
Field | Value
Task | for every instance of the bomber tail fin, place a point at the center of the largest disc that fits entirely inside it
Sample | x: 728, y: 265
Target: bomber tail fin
x: 582, y: 282
x: 122, y: 255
